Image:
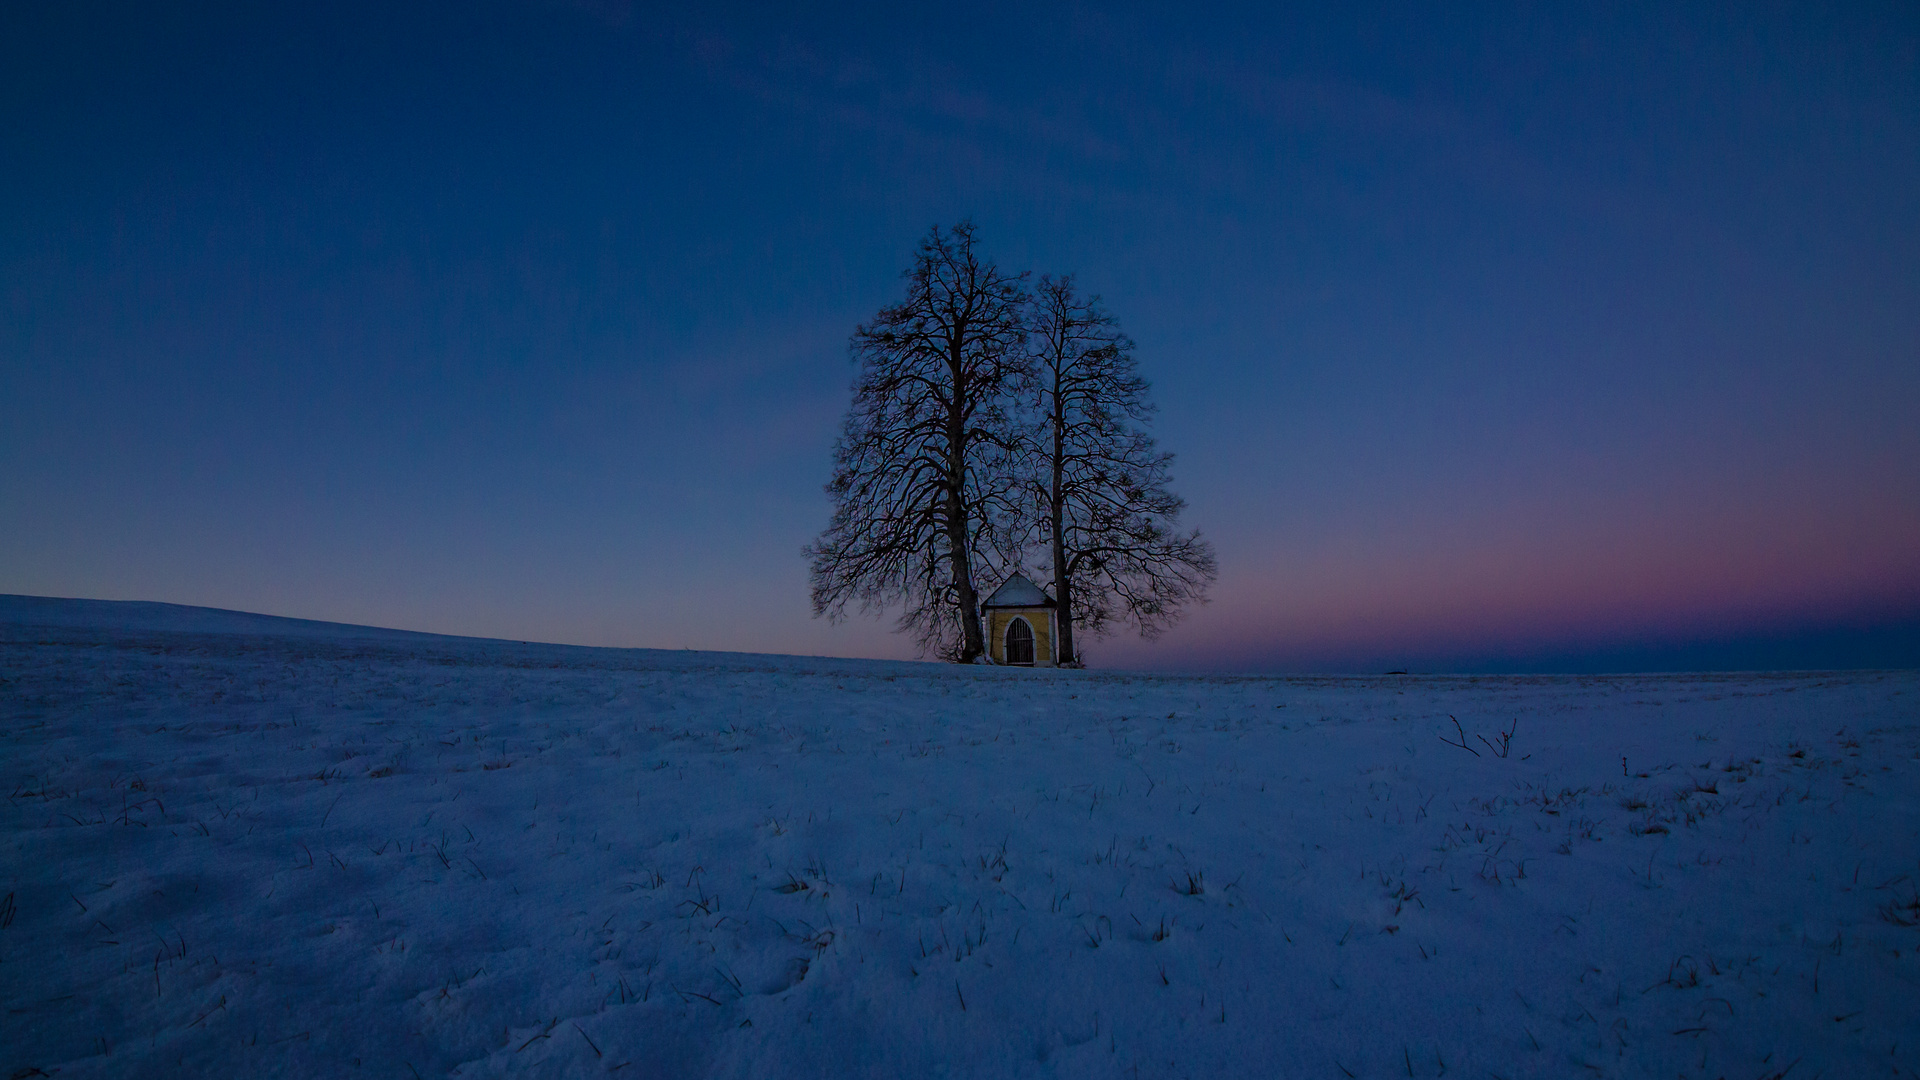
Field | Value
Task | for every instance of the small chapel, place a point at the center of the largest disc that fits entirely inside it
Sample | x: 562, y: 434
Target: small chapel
x: 1021, y: 624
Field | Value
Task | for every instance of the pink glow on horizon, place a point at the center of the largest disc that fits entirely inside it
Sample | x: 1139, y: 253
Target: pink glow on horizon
x: 1622, y: 579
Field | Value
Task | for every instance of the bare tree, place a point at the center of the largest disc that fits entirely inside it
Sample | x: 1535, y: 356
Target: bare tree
x: 921, y: 487
x: 1101, y: 486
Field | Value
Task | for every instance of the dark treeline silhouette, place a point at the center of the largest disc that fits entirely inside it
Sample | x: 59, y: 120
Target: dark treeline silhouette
x: 992, y: 428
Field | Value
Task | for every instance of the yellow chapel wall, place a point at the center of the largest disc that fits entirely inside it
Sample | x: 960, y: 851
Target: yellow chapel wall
x: 1041, y: 619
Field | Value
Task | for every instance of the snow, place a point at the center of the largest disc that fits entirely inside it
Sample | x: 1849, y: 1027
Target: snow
x: 1017, y: 591
x: 328, y: 852
x: 113, y: 616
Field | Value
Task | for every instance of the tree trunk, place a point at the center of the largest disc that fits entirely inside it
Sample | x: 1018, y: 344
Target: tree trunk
x: 958, y: 546
x: 972, y: 643
x: 1062, y: 574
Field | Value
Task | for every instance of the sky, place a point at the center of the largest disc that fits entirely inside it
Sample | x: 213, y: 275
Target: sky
x: 1500, y: 337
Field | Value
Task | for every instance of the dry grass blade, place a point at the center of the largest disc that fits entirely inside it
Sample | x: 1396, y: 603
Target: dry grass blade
x: 548, y: 1033
x: 1462, y: 744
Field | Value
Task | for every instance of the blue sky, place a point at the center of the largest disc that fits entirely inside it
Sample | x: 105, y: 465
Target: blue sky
x: 1506, y: 336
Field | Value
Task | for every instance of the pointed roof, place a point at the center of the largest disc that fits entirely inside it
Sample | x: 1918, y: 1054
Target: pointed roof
x: 1018, y: 592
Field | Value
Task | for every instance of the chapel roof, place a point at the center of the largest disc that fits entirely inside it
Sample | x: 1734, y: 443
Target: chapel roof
x: 1018, y: 592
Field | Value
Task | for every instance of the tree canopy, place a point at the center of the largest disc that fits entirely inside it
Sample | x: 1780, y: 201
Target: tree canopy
x: 992, y: 428
x: 924, y: 497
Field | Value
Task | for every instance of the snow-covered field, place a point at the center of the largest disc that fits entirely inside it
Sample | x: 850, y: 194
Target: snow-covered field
x: 289, y: 850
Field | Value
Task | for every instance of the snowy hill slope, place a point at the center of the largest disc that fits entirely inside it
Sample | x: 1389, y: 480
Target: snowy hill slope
x: 234, y: 854
x: 127, y: 621
x: 146, y: 615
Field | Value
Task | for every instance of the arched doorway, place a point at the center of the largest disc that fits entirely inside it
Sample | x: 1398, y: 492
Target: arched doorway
x: 1019, y: 642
